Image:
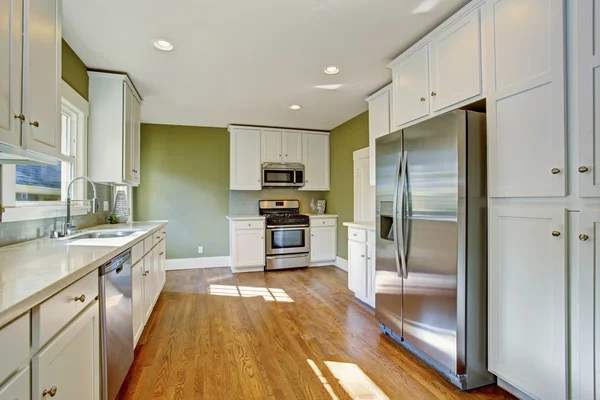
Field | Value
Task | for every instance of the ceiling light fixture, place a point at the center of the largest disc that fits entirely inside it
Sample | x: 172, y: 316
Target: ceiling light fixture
x: 163, y: 45
x: 331, y: 70
x: 295, y: 107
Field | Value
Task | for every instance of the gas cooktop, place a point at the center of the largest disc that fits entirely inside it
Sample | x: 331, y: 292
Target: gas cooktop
x: 282, y: 212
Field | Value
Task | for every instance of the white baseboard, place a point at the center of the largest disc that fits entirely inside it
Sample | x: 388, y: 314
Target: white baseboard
x: 195, y: 263
x: 247, y: 269
x: 341, y: 263
x: 322, y: 264
x: 513, y: 390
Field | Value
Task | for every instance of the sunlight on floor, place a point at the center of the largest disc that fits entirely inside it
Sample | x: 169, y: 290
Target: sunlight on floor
x: 269, y: 294
x: 322, y: 379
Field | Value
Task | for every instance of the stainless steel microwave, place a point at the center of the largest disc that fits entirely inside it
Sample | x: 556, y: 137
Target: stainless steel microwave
x: 276, y: 175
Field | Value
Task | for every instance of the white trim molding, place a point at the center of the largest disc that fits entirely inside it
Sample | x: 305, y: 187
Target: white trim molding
x: 175, y: 264
x: 341, y: 263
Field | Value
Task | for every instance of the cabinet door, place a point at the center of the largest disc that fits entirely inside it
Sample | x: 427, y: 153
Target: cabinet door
x: 157, y: 279
x: 161, y: 263
x: 128, y: 134
x: 11, y: 57
x: 357, y: 269
x: 526, y: 98
x: 371, y: 246
x: 42, y: 76
x: 588, y: 106
x: 245, y: 166
x: 291, y: 147
x: 248, y: 248
x: 411, y: 88
x: 323, y: 244
x: 70, y: 364
x: 149, y: 287
x: 456, y: 63
x: 137, y: 300
x: 379, y: 125
x: 316, y: 161
x: 18, y: 387
x: 136, y: 122
x: 271, y: 146
x: 364, y: 193
x: 527, y: 299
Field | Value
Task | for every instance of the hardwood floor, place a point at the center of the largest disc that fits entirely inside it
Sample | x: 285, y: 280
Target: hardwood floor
x: 278, y: 335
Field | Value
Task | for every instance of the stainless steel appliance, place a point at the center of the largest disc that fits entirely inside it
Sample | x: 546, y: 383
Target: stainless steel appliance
x: 279, y: 175
x: 431, y: 292
x: 287, y: 234
x: 116, y: 323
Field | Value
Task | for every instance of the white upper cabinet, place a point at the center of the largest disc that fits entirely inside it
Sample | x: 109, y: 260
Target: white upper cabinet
x: 11, y: 58
x: 114, y: 129
x: 588, y: 106
x: 270, y: 146
x: 455, y: 62
x: 380, y: 107
x: 526, y: 98
x: 291, y: 147
x: 411, y: 88
x: 245, y: 159
x: 316, y: 161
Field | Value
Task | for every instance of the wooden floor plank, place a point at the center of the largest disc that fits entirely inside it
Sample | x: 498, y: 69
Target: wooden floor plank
x: 215, y: 335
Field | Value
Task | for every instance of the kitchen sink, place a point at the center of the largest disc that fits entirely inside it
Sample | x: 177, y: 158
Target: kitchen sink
x: 102, y: 235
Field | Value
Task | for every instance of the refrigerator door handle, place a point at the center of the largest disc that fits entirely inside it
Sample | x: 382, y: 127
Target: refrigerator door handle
x: 402, y: 252
x: 394, y: 216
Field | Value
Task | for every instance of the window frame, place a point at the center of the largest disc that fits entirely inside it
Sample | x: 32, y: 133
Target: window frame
x: 32, y: 210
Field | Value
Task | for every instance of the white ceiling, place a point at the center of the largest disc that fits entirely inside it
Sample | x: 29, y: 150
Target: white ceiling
x: 246, y: 61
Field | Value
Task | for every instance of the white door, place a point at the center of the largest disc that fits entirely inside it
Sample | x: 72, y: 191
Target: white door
x: 18, y: 387
x: 245, y: 166
x: 136, y: 126
x: 456, y: 62
x: 411, y: 88
x: 379, y: 124
x: 526, y: 98
x: 291, y: 147
x: 316, y: 161
x: 527, y: 299
x: 69, y: 365
x: 357, y: 269
x: 137, y: 300
x: 128, y: 134
x: 588, y: 106
x: 271, y: 146
x: 364, y: 193
x: 42, y: 77
x: 323, y: 244
x: 11, y: 58
x: 149, y: 288
x: 249, y: 247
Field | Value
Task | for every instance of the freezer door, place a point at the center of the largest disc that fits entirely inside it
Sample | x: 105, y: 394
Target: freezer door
x: 388, y: 277
x: 433, y: 237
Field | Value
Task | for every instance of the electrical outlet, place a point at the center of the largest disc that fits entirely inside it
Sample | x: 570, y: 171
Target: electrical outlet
x: 200, y: 249
x: 105, y: 205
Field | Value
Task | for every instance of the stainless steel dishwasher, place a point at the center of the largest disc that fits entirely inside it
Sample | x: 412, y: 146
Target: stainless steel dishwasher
x: 116, y: 323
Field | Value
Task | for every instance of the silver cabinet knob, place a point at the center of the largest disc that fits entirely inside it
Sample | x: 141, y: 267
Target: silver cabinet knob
x: 422, y: 99
x: 583, y: 237
x: 80, y: 298
x: 51, y: 392
x: 34, y: 123
x: 249, y: 224
x: 20, y: 117
x: 583, y: 169
x: 433, y: 94
x: 555, y: 171
x: 362, y: 255
x: 555, y: 233
x: 355, y: 234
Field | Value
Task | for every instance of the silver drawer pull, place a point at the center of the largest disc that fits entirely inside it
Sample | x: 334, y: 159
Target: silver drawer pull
x: 555, y: 171
x: 355, y: 234
x: 555, y: 233
x: 583, y: 237
x: 51, y: 392
x: 583, y: 169
x: 80, y: 298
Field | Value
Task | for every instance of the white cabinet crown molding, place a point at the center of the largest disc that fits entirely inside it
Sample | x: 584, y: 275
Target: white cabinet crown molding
x: 120, y: 77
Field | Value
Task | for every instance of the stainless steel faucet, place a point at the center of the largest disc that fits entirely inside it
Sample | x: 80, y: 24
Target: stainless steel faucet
x: 69, y: 227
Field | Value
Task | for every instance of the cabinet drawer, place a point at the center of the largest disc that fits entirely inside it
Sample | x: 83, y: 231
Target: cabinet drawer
x: 14, y: 345
x: 137, y: 252
x: 53, y: 314
x: 18, y: 387
x: 249, y: 224
x: 148, y: 244
x: 315, y: 222
x: 156, y: 237
x: 358, y: 235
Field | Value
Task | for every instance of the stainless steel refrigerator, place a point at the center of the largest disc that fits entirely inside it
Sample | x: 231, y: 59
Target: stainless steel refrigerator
x: 431, y: 282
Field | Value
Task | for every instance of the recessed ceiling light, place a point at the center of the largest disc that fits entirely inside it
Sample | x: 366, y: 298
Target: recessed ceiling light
x: 163, y: 45
x: 331, y: 70
x: 295, y: 107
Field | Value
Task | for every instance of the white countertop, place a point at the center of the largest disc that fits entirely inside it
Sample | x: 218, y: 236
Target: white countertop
x: 245, y: 217
x: 31, y: 272
x: 368, y: 225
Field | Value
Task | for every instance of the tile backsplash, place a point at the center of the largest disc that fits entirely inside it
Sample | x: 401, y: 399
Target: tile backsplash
x: 17, y: 232
x: 245, y: 202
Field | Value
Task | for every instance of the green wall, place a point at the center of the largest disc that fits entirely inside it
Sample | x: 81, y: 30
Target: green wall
x: 350, y: 136
x: 185, y: 179
x: 74, y: 71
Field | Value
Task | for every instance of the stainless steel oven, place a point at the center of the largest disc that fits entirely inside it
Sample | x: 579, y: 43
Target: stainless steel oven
x: 288, y: 239
x: 282, y: 175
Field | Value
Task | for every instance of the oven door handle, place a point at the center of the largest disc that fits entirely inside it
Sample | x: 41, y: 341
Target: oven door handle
x: 284, y: 227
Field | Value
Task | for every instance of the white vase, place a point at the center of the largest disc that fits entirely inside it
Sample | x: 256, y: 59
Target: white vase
x: 121, y: 209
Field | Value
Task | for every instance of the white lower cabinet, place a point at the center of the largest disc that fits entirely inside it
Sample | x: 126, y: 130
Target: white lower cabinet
x: 137, y: 300
x: 323, y: 239
x: 361, y: 265
x: 148, y: 286
x: 69, y: 366
x: 527, y: 299
x: 247, y: 244
x: 18, y: 387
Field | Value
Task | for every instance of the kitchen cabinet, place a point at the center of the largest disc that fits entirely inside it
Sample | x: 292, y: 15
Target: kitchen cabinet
x: 526, y: 98
x: 291, y: 147
x: 149, y: 285
x: 588, y: 108
x: 316, y: 161
x: 411, y: 87
x: 114, y: 129
x: 270, y: 142
x: 380, y: 107
x: 364, y: 193
x: 162, y: 256
x: 137, y: 300
x: 361, y: 264
x: 323, y: 239
x: 527, y: 303
x: 245, y: 159
x: 70, y: 364
x: 281, y: 146
x: 247, y: 244
x: 158, y: 268
x: 18, y: 387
